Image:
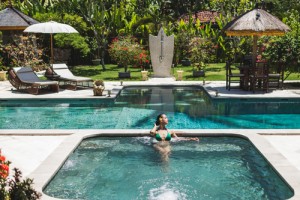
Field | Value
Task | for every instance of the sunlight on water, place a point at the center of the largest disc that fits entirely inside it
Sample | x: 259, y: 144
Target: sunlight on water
x: 130, y: 168
x: 137, y: 107
x: 165, y: 192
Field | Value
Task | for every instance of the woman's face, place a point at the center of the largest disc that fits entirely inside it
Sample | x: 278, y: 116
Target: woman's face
x: 164, y: 119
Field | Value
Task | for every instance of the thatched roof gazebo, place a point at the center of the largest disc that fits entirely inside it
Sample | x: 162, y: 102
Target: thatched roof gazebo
x: 13, y: 21
x: 256, y: 22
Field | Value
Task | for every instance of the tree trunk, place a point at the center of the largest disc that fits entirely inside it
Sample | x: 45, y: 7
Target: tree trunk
x: 254, y: 50
x: 102, y: 59
x: 97, y: 38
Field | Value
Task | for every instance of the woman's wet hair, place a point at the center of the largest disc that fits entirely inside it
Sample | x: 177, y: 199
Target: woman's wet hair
x: 159, y: 119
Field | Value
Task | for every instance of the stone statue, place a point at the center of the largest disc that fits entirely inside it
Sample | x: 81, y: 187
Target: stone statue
x: 161, y: 52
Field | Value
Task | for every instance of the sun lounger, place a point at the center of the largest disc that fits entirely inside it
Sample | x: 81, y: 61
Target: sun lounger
x: 66, y: 76
x: 24, y: 78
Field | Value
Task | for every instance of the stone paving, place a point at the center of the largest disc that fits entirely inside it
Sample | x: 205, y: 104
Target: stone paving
x: 27, y: 151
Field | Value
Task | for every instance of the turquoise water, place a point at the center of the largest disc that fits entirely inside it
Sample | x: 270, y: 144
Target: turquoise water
x: 137, y: 108
x: 130, y: 168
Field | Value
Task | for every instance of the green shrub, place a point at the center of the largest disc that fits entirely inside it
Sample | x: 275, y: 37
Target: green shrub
x: 125, y: 51
x: 15, y: 188
x: 200, y: 51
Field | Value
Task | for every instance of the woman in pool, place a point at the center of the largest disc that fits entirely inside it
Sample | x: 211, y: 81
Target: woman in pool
x: 164, y: 136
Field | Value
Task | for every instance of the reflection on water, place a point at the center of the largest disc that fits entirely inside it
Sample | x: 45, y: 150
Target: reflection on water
x: 190, y: 100
x: 137, y: 107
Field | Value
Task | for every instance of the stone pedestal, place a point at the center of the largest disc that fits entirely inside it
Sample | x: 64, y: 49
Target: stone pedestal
x: 144, y: 75
x: 2, y: 75
x: 179, y: 75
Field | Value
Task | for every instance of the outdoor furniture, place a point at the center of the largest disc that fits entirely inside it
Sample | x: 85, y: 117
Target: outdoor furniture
x: 247, y: 61
x: 233, y: 77
x: 24, y: 78
x: 259, y: 78
x: 276, y: 76
x: 66, y: 77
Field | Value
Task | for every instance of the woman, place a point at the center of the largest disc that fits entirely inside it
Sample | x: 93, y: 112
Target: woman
x: 164, y: 136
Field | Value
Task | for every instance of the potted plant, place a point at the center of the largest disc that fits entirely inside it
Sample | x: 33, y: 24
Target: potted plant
x: 182, y: 44
x: 124, y: 51
x: 98, y: 87
x: 199, y: 51
x: 186, y: 62
x: 96, y: 61
x: 198, y: 69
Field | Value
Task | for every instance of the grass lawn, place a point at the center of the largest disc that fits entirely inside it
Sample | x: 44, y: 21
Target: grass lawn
x: 213, y: 72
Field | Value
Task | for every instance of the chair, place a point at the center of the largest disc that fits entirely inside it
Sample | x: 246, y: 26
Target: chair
x: 259, y: 78
x: 247, y: 60
x: 233, y: 77
x: 24, y: 78
x: 68, y: 79
x: 276, y: 76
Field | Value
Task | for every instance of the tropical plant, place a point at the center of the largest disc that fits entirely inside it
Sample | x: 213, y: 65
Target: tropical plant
x: 23, y: 52
x: 200, y: 50
x: 106, y: 19
x: 4, y: 170
x: 142, y: 59
x: 2, y: 67
x: 124, y: 50
x: 285, y: 48
x: 185, y: 31
x: 15, y: 188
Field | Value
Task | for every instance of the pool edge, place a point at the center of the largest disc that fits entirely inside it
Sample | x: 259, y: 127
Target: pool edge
x: 44, y: 173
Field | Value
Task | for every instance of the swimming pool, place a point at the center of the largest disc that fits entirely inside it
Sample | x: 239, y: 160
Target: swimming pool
x: 136, y: 107
x: 130, y: 168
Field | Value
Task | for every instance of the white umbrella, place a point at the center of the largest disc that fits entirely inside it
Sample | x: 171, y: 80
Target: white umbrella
x: 50, y: 27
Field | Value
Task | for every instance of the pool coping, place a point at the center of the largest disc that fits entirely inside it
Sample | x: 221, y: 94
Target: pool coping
x: 214, y: 91
x: 47, y: 169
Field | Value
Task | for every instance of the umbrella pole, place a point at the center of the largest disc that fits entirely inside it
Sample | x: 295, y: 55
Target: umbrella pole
x: 254, y: 50
x: 51, y: 50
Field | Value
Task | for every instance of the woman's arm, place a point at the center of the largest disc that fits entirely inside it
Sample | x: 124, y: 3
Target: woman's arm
x: 173, y: 134
x: 183, y: 138
x: 153, y: 130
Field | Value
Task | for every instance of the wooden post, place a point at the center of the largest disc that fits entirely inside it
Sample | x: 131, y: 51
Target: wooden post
x: 51, y: 50
x: 254, y: 50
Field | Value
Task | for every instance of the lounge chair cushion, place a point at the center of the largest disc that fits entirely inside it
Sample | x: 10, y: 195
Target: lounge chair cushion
x: 27, y: 75
x: 66, y: 74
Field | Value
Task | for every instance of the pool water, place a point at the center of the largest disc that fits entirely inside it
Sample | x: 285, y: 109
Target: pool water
x: 130, y: 168
x: 137, y: 107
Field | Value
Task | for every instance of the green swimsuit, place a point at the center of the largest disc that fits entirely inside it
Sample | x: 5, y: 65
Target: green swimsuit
x: 158, y: 138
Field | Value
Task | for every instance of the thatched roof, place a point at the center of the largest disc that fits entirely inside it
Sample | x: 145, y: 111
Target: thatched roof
x: 12, y: 19
x: 256, y: 22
